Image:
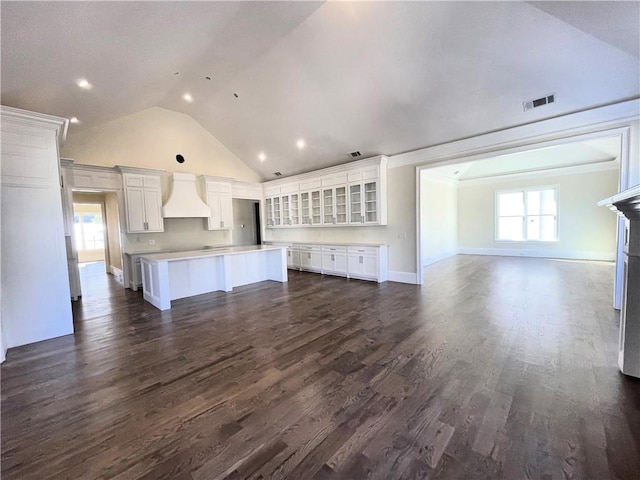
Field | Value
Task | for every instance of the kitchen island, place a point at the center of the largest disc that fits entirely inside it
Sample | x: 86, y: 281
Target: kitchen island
x: 170, y: 276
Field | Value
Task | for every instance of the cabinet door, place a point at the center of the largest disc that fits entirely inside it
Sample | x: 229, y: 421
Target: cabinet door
x: 305, y: 208
x: 316, y: 215
x: 316, y: 261
x: 268, y: 207
x: 371, y: 202
x: 355, y: 264
x: 340, y: 263
x: 370, y: 266
x: 295, y: 258
x: 153, y: 210
x: 286, y: 219
x: 135, y: 209
x: 305, y: 259
x: 215, y: 219
x: 328, y: 262
x: 294, y: 212
x: 277, y: 218
x: 328, y: 217
x: 226, y: 212
x: 355, y: 203
x: 341, y: 206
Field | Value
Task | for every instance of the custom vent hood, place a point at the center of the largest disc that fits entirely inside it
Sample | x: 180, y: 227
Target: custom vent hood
x: 184, y: 201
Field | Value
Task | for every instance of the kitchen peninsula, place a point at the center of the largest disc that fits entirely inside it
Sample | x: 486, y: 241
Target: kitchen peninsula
x: 170, y: 276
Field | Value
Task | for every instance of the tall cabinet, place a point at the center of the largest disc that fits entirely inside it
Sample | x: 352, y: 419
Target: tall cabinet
x: 143, y: 200
x: 32, y: 239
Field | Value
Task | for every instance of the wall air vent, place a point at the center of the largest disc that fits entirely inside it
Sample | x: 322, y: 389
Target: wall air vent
x: 355, y: 154
x: 539, y: 102
x: 277, y: 174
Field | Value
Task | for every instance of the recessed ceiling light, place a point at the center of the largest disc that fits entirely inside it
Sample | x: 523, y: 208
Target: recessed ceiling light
x: 301, y: 144
x: 84, y: 83
x: 74, y: 120
x: 262, y: 157
x: 187, y: 97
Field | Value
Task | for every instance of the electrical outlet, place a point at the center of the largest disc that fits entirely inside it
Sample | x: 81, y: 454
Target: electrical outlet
x: 152, y: 242
x: 402, y: 236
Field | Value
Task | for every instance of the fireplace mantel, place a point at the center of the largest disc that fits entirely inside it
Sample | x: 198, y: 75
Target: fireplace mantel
x: 627, y: 205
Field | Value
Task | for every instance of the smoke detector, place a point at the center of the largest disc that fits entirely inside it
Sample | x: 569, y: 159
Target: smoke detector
x: 539, y: 102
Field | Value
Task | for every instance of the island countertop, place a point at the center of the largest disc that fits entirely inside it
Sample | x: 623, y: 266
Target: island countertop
x: 212, y: 252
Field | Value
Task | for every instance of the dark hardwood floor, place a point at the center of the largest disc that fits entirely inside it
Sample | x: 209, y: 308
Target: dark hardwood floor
x: 495, y: 368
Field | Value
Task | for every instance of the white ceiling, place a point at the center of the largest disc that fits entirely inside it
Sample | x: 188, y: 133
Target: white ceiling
x: 378, y: 77
x: 600, y: 153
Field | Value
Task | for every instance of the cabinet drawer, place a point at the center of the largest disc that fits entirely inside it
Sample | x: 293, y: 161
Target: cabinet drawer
x: 364, y: 250
x: 333, y: 249
x: 310, y: 248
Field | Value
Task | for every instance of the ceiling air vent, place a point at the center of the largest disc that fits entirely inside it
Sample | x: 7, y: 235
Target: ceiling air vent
x: 277, y: 174
x: 538, y: 102
x: 355, y: 154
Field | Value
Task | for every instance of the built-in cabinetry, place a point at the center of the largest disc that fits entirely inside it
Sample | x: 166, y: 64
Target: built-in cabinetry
x: 219, y: 200
x: 627, y: 204
x: 354, y: 194
x: 366, y: 262
x: 35, y: 303
x: 143, y: 200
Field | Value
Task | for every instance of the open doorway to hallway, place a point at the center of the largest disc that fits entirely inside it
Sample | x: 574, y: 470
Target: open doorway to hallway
x: 97, y: 244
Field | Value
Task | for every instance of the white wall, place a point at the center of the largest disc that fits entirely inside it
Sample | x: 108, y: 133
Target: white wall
x: 438, y: 219
x: 585, y: 231
x: 151, y: 139
x: 401, y: 213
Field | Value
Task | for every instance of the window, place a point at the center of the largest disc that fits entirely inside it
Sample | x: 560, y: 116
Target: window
x: 88, y: 226
x: 528, y: 214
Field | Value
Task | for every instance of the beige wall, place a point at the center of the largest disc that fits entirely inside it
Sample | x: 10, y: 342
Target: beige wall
x: 401, y: 213
x: 438, y: 219
x: 584, y: 229
x: 113, y: 230
x: 151, y: 139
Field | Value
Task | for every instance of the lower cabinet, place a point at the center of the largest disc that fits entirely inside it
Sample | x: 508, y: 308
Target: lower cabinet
x: 310, y: 258
x: 351, y: 261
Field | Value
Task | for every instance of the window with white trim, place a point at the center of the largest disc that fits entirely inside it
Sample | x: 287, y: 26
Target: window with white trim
x: 527, y: 214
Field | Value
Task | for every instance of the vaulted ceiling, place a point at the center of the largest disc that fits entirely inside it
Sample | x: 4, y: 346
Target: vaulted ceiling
x: 374, y: 77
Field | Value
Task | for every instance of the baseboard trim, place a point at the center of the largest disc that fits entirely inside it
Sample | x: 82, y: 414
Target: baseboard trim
x: 403, y: 277
x: 117, y: 275
x: 436, y: 258
x: 504, y: 252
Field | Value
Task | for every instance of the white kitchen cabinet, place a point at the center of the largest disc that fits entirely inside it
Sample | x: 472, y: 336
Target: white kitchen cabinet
x: 334, y: 260
x: 354, y: 194
x: 334, y: 204
x: 35, y: 303
x: 220, y: 201
x: 143, y: 202
x: 293, y: 257
x: 367, y: 263
x: 311, y: 258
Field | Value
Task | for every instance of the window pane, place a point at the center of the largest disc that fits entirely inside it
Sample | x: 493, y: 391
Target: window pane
x: 548, y: 202
x: 511, y: 204
x: 541, y: 227
x: 510, y: 228
x: 533, y: 203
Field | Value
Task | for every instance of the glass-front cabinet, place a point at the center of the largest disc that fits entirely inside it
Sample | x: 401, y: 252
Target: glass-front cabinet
x: 353, y: 194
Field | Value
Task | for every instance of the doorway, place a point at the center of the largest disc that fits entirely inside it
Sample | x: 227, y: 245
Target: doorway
x: 89, y: 231
x: 246, y: 222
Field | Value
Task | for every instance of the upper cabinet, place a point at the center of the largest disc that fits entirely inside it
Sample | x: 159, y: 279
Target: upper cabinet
x: 219, y: 199
x: 143, y: 200
x: 354, y: 194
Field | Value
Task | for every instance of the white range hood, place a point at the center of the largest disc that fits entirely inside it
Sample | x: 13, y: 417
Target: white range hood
x: 184, y: 201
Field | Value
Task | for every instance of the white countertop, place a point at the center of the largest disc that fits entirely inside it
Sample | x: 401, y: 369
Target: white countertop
x: 215, y: 252
x: 326, y: 244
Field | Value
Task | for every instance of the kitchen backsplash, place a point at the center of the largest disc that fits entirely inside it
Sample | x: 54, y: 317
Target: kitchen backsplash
x: 179, y: 234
